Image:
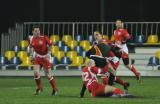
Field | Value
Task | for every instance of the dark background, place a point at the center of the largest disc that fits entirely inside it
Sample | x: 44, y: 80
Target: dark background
x: 12, y: 11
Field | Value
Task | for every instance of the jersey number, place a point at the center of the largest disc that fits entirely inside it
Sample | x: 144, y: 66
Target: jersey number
x: 85, y: 76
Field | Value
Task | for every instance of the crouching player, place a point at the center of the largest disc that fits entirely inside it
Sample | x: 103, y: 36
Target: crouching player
x: 90, y: 81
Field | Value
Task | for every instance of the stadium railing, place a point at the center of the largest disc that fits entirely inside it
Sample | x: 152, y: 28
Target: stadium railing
x: 85, y: 29
x: 23, y: 30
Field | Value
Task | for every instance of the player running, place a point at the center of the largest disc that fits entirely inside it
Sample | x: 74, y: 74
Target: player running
x: 121, y: 35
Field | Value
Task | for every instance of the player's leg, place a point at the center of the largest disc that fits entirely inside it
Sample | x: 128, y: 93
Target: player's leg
x: 37, y: 78
x: 125, y: 58
x: 83, y: 89
x: 112, y: 75
x: 114, y: 90
x: 47, y: 65
x: 123, y: 83
x: 105, y: 91
x: 104, y: 78
x: 131, y: 67
x: 111, y: 79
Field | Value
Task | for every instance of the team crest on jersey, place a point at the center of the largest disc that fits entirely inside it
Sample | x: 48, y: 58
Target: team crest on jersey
x: 40, y: 42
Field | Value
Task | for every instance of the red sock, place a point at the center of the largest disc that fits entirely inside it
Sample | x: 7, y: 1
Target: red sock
x: 38, y: 83
x: 53, y: 83
x: 118, y: 80
x: 105, y: 80
x: 118, y: 91
x: 133, y: 69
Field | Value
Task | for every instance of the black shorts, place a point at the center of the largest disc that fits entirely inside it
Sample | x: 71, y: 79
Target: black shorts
x: 126, y: 61
x: 111, y: 80
x: 100, y: 62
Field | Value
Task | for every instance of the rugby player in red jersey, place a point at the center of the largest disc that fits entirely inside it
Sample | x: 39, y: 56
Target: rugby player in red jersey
x: 121, y: 35
x: 90, y: 81
x: 40, y: 50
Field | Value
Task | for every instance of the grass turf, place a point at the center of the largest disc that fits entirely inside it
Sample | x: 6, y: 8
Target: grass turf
x: 19, y: 90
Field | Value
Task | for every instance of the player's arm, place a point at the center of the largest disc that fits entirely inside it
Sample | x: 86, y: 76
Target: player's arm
x: 31, y: 52
x: 99, y: 71
x: 31, y: 49
x: 111, y: 70
x: 83, y: 89
x: 50, y: 44
x: 127, y: 36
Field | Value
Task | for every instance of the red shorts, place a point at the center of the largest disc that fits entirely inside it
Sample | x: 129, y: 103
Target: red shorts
x: 43, y: 62
x: 98, y: 90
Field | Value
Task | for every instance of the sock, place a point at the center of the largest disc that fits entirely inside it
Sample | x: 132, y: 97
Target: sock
x: 38, y: 83
x: 118, y: 80
x: 105, y: 80
x: 118, y: 91
x: 133, y: 69
x: 53, y: 84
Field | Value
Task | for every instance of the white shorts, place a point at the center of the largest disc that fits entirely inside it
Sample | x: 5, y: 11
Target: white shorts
x: 124, y: 48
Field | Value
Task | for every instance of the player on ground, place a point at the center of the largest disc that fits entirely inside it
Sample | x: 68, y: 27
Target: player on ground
x: 121, y: 35
x: 39, y: 49
x: 90, y: 81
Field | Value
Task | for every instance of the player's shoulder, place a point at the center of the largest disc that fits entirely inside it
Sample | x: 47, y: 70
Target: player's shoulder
x: 44, y: 36
x: 94, y: 68
x: 124, y: 30
x: 85, y: 69
x: 106, y: 41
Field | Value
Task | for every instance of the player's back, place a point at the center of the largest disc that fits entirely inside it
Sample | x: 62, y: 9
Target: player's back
x: 89, y: 77
x: 104, y: 48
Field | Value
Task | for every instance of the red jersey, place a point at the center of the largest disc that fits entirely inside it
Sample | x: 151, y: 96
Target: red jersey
x: 40, y: 44
x: 89, y: 77
x: 120, y: 35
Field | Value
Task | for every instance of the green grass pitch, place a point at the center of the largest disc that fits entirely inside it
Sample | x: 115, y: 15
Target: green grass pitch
x: 19, y: 90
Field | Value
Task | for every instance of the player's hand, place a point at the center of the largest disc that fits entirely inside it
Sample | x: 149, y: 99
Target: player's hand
x: 48, y: 56
x: 94, y: 43
x: 32, y: 59
x: 107, y: 74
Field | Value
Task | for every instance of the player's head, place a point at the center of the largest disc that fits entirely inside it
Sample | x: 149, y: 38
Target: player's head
x: 36, y: 30
x: 97, y: 36
x: 119, y: 24
x: 90, y: 63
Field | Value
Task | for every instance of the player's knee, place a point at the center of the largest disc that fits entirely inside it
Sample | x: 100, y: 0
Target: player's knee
x: 128, y: 66
x: 36, y: 73
x: 108, y: 89
x: 48, y: 74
